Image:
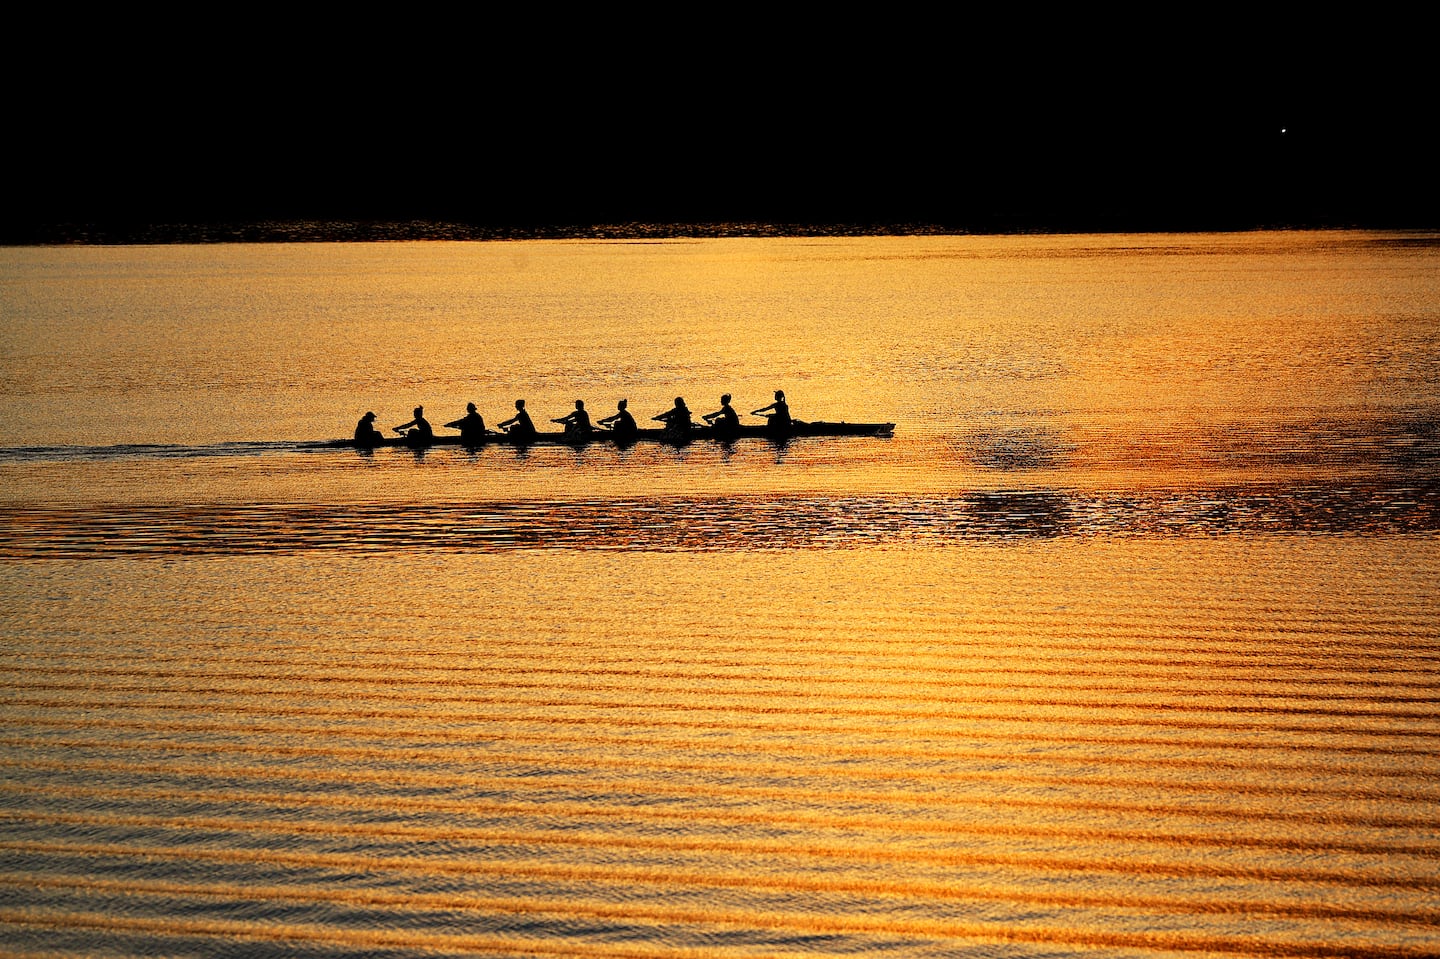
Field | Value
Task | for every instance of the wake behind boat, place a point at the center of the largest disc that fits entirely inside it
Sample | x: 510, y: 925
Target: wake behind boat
x: 559, y: 438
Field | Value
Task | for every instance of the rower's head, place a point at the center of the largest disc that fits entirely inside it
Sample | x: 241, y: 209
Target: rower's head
x: 367, y: 417
x: 725, y: 400
x: 469, y: 407
x: 779, y: 394
x: 519, y: 404
x: 680, y: 401
x: 579, y: 404
x: 622, y: 404
x: 419, y: 411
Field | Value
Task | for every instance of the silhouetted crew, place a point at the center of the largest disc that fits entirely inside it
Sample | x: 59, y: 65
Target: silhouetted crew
x: 471, y: 426
x: 621, y: 423
x: 676, y: 419
x: 576, y: 423
x: 519, y: 424
x: 725, y: 421
x: 365, y: 432
x: 778, y: 413
x: 419, y: 427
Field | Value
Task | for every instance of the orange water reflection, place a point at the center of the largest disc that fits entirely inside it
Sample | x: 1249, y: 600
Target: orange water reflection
x: 1069, y: 743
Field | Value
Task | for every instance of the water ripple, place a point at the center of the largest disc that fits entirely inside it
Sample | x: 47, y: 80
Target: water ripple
x: 742, y: 523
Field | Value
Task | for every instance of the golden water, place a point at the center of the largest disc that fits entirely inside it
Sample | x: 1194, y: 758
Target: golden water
x: 1127, y: 642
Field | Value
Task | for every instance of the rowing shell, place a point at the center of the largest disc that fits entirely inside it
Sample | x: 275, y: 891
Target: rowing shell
x: 643, y: 435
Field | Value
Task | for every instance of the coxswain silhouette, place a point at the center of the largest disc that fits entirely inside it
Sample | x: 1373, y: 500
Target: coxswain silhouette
x: 777, y: 413
x: 419, y: 428
x: 471, y: 426
x: 577, y: 423
x: 519, y: 425
x: 621, y: 423
x: 725, y: 422
x: 365, y: 432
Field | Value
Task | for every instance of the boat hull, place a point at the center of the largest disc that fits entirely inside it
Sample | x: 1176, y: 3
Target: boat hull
x: 640, y: 436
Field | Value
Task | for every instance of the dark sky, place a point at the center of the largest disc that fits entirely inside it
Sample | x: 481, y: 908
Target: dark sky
x: 885, y: 128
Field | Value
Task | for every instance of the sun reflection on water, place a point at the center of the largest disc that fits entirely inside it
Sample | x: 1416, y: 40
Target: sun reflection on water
x: 1125, y: 641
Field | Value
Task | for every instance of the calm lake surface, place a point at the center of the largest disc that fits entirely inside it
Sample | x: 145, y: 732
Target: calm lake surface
x: 1127, y: 642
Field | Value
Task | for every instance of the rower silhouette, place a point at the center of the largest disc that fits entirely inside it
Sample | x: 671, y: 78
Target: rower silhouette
x: 777, y: 414
x: 419, y: 428
x: 519, y: 425
x: 577, y: 424
x: 471, y: 426
x: 676, y: 419
x: 621, y: 423
x: 724, y: 422
x: 365, y: 432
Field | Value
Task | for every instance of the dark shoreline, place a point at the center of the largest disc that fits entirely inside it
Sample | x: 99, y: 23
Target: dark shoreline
x: 382, y: 231
x: 432, y: 231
